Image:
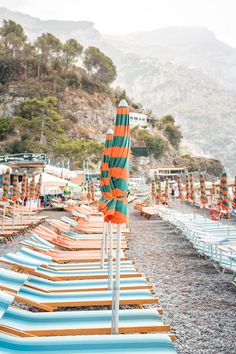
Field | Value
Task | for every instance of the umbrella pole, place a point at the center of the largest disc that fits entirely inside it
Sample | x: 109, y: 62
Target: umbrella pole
x: 110, y: 257
x: 116, y: 285
x: 14, y: 211
x: 29, y: 208
x: 3, y: 215
x: 103, y: 245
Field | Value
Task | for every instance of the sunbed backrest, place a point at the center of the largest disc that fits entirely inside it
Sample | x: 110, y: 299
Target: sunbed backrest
x: 5, y: 301
x: 11, y: 279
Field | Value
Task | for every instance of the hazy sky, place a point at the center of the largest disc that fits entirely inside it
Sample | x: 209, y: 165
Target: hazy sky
x: 122, y: 16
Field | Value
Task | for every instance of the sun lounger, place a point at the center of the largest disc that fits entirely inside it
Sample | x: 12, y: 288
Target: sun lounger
x: 103, y: 344
x: 25, y: 323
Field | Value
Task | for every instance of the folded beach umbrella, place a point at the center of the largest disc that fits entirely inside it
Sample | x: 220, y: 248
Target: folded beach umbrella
x: 6, y: 185
x: 220, y: 195
x: 203, y: 197
x: 32, y: 187
x: 38, y: 187
x: 180, y: 188
x: 213, y: 190
x: 117, y: 207
x: 89, y: 196
x: 105, y: 187
x: 187, y: 192
x: 167, y: 188
x: 15, y: 191
x: 23, y: 185
x: 158, y: 188
x: 66, y: 192
x: 234, y: 197
x: 153, y: 189
x: 192, y: 190
x: 225, y: 196
x: 92, y: 191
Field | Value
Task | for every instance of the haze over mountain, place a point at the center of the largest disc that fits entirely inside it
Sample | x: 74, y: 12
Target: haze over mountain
x: 184, y: 71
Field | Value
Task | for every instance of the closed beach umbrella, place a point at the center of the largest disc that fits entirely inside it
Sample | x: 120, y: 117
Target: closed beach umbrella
x: 213, y: 190
x: 192, y: 190
x: 167, y: 188
x: 220, y: 195
x: 158, y: 188
x: 153, y: 189
x: 89, y: 196
x: 38, y: 187
x: 67, y: 192
x: 203, y: 197
x: 23, y: 185
x: 187, y: 192
x: 117, y: 207
x: 225, y: 195
x: 6, y: 185
x: 15, y: 191
x: 105, y: 187
x: 92, y: 192
x: 180, y: 188
x: 234, y: 197
x: 32, y: 187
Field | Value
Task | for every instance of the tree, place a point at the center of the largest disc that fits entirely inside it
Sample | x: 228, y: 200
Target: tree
x: 48, y: 48
x: 5, y: 127
x: 13, y: 37
x: 170, y: 130
x: 28, y: 53
x: 99, y: 65
x: 40, y: 122
x: 71, y: 51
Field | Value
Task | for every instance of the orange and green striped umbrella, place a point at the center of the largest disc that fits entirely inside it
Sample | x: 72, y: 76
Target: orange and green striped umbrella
x: 180, y: 188
x: 187, y: 193
x: 89, y: 196
x: 23, y: 185
x: 158, y: 188
x: 234, y: 198
x: 38, y: 187
x: 153, y: 189
x: 213, y: 190
x: 105, y: 187
x: 225, y: 196
x: 167, y: 188
x: 92, y: 191
x: 32, y: 186
x: 6, y: 185
x: 15, y: 191
x: 117, y: 206
x: 192, y: 190
x: 203, y: 197
x: 220, y: 195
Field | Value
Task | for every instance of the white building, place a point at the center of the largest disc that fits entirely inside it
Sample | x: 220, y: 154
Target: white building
x: 137, y: 119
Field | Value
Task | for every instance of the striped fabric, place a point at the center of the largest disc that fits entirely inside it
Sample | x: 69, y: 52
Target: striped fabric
x: 203, y: 197
x: 23, y: 185
x: 38, y: 187
x: 32, y: 186
x: 187, y: 192
x: 15, y: 190
x: 6, y: 185
x: 89, y: 195
x: 117, y: 206
x: 180, y: 188
x: 153, y: 189
x: 234, y: 197
x: 105, y: 187
x: 158, y: 188
x: 220, y: 195
x: 213, y: 190
x: 192, y: 190
x: 167, y: 188
x: 225, y: 194
x: 92, y: 191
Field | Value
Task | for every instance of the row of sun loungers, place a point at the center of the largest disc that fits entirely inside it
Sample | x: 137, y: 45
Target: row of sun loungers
x: 213, y: 239
x: 58, y: 269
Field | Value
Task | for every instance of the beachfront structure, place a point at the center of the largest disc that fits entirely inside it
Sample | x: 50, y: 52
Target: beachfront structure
x: 171, y: 172
x: 136, y: 118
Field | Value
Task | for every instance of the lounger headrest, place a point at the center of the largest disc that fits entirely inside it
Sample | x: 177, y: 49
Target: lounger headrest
x: 35, y: 255
x: 12, y: 280
x: 39, y: 239
x: 5, y: 301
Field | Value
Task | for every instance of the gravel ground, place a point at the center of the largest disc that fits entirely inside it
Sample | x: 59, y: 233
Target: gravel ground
x: 198, y: 302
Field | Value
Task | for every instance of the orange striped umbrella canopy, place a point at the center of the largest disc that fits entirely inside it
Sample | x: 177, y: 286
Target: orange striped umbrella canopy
x: 192, y: 190
x: 15, y: 192
x: 89, y: 195
x: 6, y: 185
x: 153, y: 189
x: 203, y: 197
x: 180, y: 188
x: 105, y: 187
x: 117, y: 206
x: 187, y: 192
x: 213, y: 189
x: 92, y: 191
x: 225, y: 196
x: 38, y: 187
x: 23, y: 185
x: 220, y: 196
x: 234, y: 197
x: 158, y: 187
x: 32, y: 186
